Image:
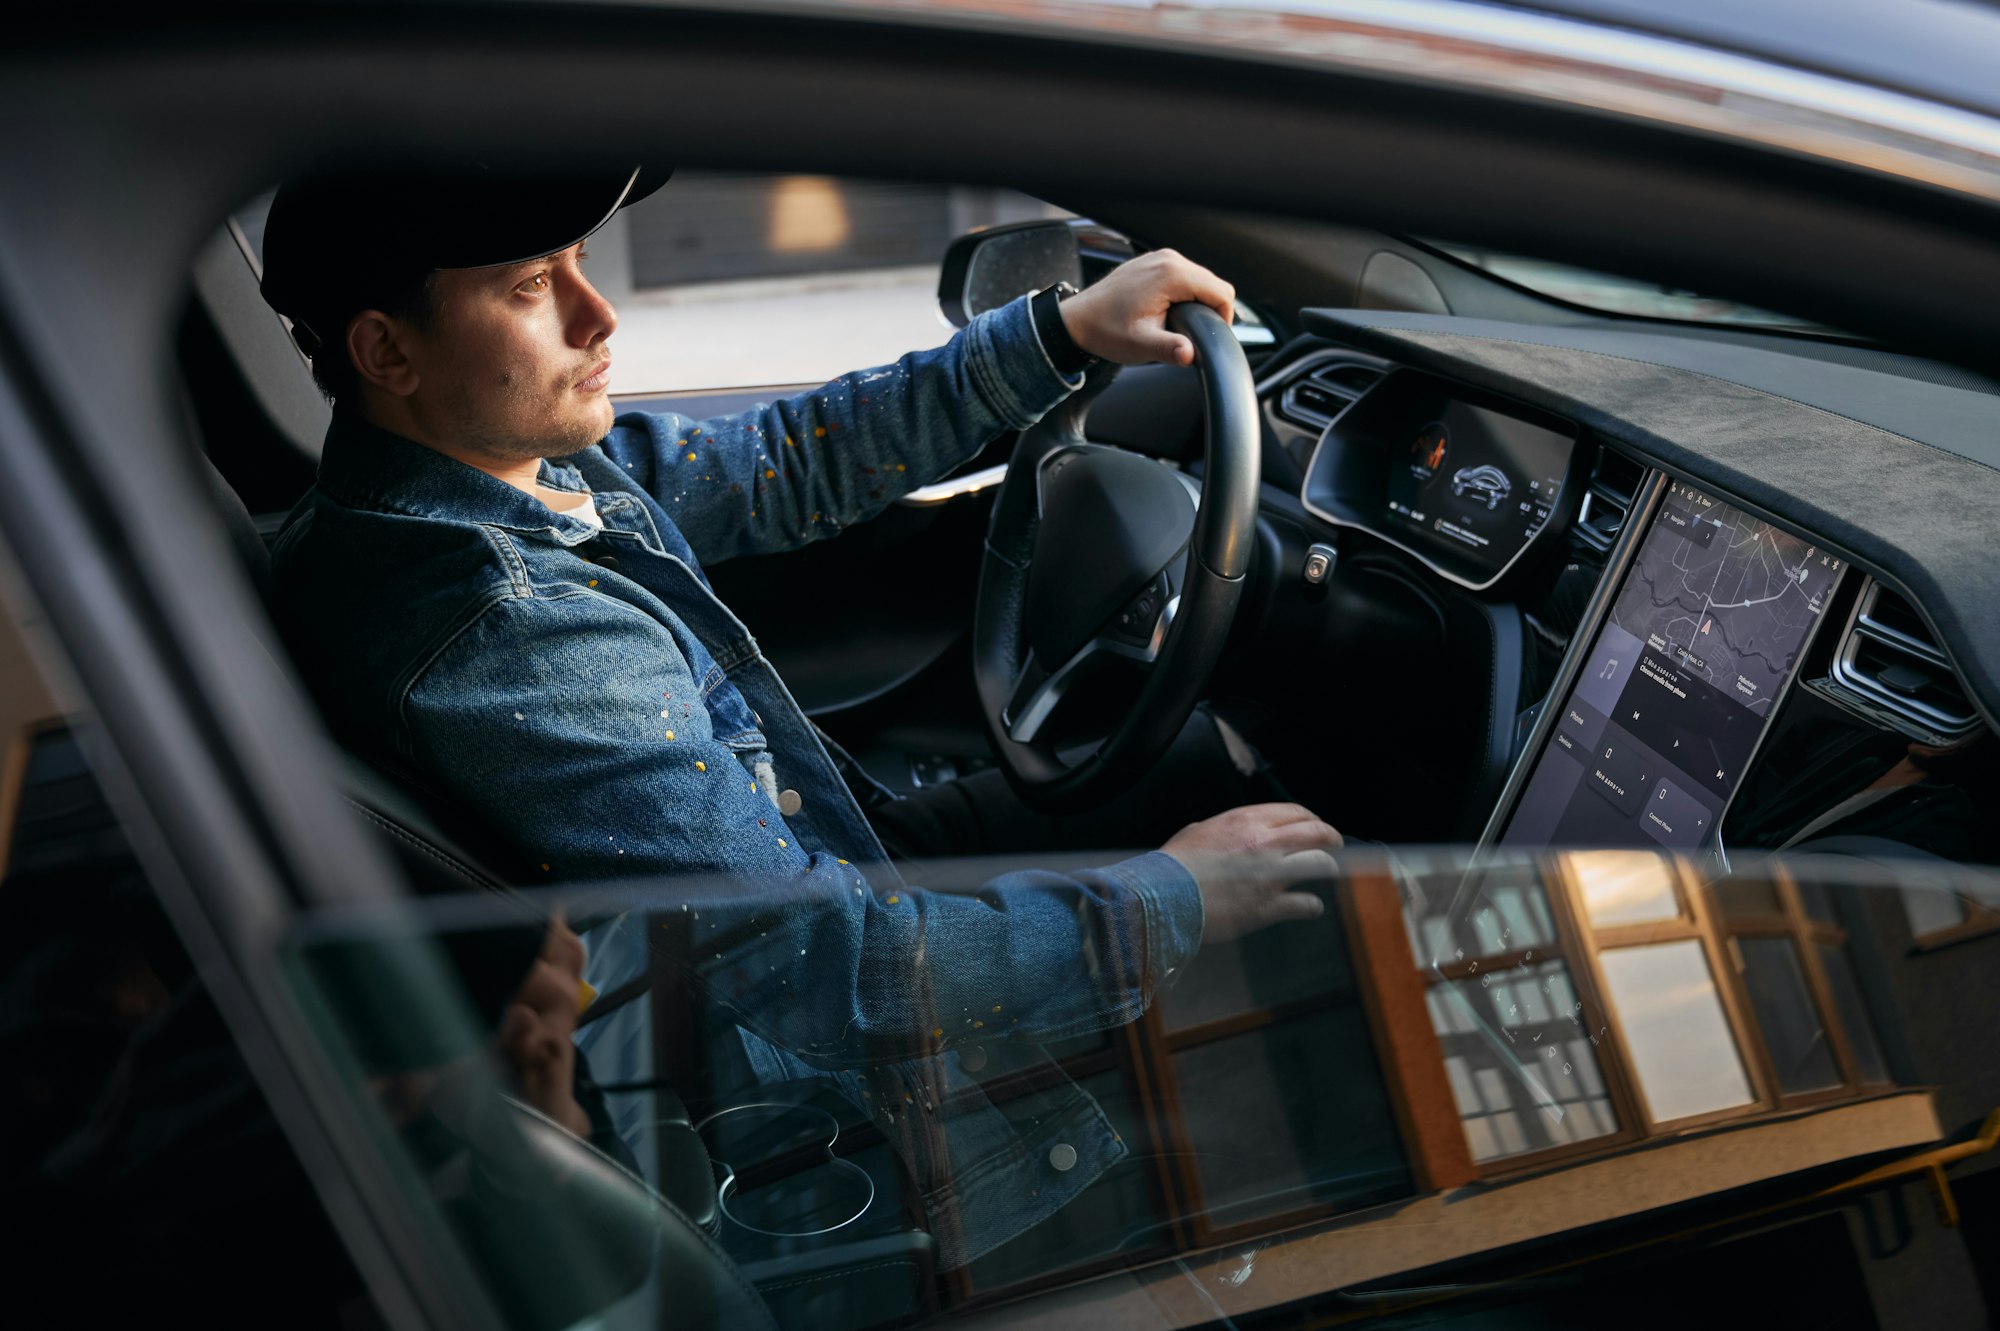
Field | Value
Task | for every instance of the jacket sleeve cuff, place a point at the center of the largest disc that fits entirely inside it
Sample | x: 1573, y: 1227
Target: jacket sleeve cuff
x: 1007, y: 363
x: 1172, y: 904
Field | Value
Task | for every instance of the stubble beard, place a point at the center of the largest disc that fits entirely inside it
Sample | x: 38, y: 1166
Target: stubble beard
x: 515, y: 424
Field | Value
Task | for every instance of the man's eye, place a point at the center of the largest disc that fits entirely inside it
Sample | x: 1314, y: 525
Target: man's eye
x: 536, y: 285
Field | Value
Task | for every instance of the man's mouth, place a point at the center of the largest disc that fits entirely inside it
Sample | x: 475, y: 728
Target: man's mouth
x: 599, y: 377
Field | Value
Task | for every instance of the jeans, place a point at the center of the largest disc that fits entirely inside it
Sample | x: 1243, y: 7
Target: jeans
x: 980, y: 814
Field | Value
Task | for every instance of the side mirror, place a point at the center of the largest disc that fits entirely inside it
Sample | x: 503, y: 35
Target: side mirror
x: 983, y: 270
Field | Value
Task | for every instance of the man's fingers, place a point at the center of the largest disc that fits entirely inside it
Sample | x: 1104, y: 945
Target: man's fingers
x: 1304, y: 835
x: 1123, y: 317
x: 1309, y: 866
x: 1294, y: 906
x: 527, y: 1042
x: 551, y: 993
x: 563, y: 949
x: 1256, y: 829
x: 1184, y: 279
x: 1276, y: 814
x: 1211, y: 291
x: 1155, y: 343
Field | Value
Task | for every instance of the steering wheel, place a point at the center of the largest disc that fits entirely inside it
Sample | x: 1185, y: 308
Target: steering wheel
x: 1096, y: 554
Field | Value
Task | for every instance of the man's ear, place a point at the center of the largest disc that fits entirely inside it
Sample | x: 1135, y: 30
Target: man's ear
x: 375, y: 346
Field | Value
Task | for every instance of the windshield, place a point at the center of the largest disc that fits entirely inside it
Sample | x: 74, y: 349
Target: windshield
x: 1623, y: 295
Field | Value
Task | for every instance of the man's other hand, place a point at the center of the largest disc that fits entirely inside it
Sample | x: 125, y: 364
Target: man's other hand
x: 1123, y: 317
x: 535, y: 1032
x: 1247, y: 863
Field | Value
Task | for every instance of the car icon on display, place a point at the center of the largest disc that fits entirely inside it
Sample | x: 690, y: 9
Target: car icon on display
x: 1483, y: 482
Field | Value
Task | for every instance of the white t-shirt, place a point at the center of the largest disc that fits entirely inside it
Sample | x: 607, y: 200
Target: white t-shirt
x: 575, y: 504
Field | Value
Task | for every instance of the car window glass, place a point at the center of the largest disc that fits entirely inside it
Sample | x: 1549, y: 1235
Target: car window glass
x: 1480, y: 1070
x: 137, y: 1139
x: 1295, y: 1098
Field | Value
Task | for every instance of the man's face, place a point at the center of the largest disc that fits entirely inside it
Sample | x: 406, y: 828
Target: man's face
x: 516, y: 360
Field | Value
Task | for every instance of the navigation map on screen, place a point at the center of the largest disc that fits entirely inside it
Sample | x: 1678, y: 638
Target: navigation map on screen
x: 1704, y: 635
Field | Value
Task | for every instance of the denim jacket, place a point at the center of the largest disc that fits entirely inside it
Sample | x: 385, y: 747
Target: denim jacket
x: 586, y: 692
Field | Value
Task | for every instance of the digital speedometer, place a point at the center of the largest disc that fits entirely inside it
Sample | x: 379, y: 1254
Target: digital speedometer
x: 1462, y: 479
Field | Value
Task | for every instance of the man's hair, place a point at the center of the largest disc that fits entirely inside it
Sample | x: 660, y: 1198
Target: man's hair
x: 410, y: 296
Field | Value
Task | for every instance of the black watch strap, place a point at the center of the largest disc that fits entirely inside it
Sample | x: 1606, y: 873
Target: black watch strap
x: 1068, y: 358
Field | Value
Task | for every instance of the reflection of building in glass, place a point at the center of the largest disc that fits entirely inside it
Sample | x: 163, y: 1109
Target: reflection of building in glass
x: 1697, y: 1005
x: 1573, y: 1042
x: 1528, y: 1060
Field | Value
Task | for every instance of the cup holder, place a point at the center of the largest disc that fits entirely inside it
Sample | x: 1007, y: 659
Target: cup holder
x: 776, y: 1173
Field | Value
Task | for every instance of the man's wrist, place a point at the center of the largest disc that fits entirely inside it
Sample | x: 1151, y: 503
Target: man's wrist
x: 1062, y: 349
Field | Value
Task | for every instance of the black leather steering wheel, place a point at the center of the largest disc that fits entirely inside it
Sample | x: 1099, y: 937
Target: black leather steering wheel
x: 1094, y: 554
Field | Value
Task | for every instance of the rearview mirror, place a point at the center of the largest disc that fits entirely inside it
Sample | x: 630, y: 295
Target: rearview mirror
x: 985, y: 269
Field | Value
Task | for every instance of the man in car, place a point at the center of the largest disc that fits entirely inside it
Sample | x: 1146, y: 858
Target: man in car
x: 495, y: 589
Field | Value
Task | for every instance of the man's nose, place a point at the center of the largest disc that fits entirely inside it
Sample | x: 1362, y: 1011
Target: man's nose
x: 592, y: 318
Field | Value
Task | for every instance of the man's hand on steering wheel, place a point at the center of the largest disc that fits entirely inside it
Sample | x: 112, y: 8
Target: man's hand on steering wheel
x: 1123, y: 317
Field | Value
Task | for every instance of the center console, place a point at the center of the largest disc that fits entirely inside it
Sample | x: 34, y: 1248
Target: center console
x: 1689, y: 661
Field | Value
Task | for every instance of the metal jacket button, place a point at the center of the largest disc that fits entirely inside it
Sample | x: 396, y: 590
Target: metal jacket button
x: 973, y: 1059
x: 789, y: 802
x: 1062, y: 1157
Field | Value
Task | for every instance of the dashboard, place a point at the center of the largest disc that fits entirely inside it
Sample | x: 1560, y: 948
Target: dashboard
x: 1716, y: 670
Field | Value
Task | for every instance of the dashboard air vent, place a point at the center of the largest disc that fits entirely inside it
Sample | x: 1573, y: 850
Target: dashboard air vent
x: 1614, y: 480
x: 1892, y: 662
x: 1313, y: 400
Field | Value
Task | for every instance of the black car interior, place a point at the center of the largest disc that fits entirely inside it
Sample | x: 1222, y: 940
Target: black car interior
x: 1470, y: 667
x: 1393, y: 698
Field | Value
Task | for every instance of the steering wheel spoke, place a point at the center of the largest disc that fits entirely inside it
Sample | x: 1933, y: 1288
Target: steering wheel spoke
x: 1097, y: 556
x: 1136, y: 634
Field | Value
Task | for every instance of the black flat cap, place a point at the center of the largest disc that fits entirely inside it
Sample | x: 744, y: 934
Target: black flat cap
x: 336, y: 244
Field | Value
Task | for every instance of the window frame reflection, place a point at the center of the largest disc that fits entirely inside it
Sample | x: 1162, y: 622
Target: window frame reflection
x: 1444, y: 879
x: 1696, y: 920
x: 1441, y: 905
x: 1808, y: 931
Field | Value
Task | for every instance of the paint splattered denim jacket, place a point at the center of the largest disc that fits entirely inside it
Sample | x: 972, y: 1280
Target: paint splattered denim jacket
x: 588, y: 694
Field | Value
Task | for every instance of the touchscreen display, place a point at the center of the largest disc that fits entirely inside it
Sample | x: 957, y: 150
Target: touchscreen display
x: 1700, y: 643
x: 1475, y: 481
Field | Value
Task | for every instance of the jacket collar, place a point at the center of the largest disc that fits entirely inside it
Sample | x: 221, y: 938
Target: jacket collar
x: 365, y: 466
